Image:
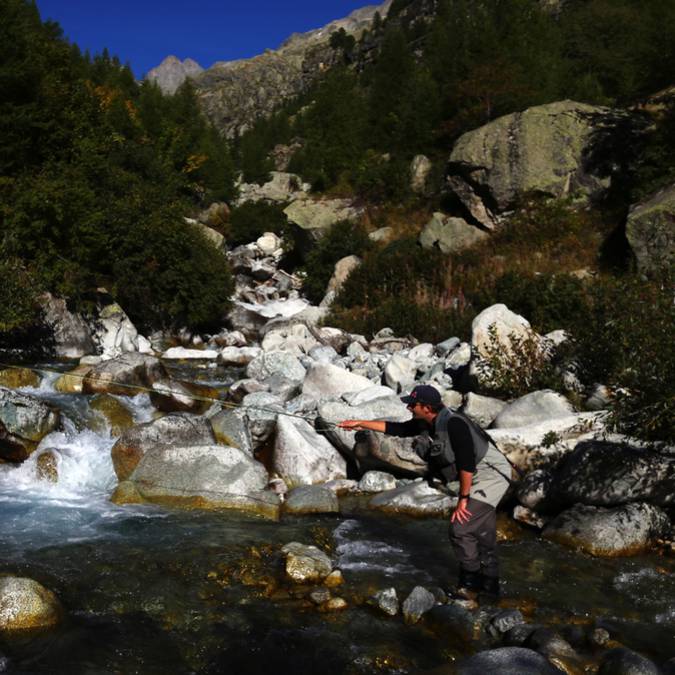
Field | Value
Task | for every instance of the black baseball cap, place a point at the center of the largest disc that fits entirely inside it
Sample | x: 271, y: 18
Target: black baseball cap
x: 423, y: 393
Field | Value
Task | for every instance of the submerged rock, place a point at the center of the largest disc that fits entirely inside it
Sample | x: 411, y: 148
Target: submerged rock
x: 47, y: 466
x: 306, y: 563
x: 622, y: 661
x: 416, y: 499
x: 507, y: 661
x: 72, y: 382
x: 311, y: 499
x: 15, y: 378
x: 125, y: 375
x: 387, y: 601
x: 117, y: 416
x: 26, y: 605
x: 419, y: 602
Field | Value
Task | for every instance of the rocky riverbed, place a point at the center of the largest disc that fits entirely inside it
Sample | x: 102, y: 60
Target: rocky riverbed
x: 192, y: 507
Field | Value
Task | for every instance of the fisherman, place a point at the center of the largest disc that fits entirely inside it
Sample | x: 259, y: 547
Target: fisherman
x: 455, y: 448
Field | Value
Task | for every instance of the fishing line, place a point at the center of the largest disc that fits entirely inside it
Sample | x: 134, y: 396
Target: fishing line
x: 194, y: 397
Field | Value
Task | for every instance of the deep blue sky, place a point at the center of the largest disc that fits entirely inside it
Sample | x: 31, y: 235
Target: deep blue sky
x: 143, y: 32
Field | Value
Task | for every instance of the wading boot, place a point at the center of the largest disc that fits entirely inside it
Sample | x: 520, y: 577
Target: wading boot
x: 468, y: 586
x: 490, y: 587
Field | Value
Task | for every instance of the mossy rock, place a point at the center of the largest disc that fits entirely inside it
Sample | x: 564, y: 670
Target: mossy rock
x: 118, y: 416
x: 126, y: 493
x: 14, y: 378
x: 72, y: 381
x: 47, y: 467
x: 26, y: 605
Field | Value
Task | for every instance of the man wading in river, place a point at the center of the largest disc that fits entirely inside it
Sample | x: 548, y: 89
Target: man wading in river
x: 457, y: 449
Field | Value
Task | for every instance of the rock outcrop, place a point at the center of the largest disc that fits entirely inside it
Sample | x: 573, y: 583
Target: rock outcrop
x: 172, y: 72
x: 650, y: 230
x: 543, y: 150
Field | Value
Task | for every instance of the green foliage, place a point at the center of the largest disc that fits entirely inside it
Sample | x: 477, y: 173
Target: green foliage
x: 403, y: 287
x: 252, y: 219
x: 340, y: 39
x: 513, y: 368
x: 172, y: 275
x: 549, y: 301
x: 96, y: 167
x: 18, y: 296
x: 343, y: 239
x: 625, y: 340
x: 656, y: 164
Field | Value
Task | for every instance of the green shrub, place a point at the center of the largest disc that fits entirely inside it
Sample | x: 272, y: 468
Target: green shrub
x: 547, y: 301
x: 513, y: 371
x: 252, y: 219
x: 171, y: 275
x: 404, y: 287
x: 343, y: 239
x: 626, y: 342
x: 19, y: 307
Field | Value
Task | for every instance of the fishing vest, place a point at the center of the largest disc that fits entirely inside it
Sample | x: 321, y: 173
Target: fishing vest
x: 439, y: 453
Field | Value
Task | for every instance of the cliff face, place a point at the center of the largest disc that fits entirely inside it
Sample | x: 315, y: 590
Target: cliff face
x: 235, y: 93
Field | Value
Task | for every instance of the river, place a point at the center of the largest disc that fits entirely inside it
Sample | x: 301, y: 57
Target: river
x: 148, y: 590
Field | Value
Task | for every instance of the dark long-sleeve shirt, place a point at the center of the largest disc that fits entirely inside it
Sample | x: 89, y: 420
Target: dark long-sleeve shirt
x: 458, y: 431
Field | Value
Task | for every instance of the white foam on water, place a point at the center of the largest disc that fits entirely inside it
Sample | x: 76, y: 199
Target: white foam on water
x: 370, y: 555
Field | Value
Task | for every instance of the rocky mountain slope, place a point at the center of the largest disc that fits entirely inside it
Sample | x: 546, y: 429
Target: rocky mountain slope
x: 234, y: 93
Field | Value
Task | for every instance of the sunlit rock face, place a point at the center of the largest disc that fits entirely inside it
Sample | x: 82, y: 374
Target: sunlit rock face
x: 172, y: 72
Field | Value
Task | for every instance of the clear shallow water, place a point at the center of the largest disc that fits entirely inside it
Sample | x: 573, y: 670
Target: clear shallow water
x: 149, y: 591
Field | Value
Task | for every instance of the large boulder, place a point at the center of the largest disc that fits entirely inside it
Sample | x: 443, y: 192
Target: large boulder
x: 302, y: 457
x: 324, y: 380
x: 449, y: 234
x: 114, y: 334
x: 343, y: 268
x: 270, y: 363
x: 650, y: 230
x: 231, y: 427
x: 543, y: 445
x: 126, y: 375
x: 601, y: 473
x: 315, y: 217
x: 281, y: 188
x: 497, y: 330
x: 295, y: 338
x: 26, y: 605
x: 175, y: 396
x: 371, y: 451
x: 543, y: 150
x: 204, y: 477
x: 24, y: 421
x: 72, y: 336
x: 620, y: 531
x: 537, y: 406
x: 183, y: 430
x: 311, y: 499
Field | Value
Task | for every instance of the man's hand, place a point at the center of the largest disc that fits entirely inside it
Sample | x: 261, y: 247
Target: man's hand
x: 461, y: 512
x: 350, y: 424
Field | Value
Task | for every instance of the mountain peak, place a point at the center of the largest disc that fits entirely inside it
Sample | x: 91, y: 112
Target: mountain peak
x: 172, y: 72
